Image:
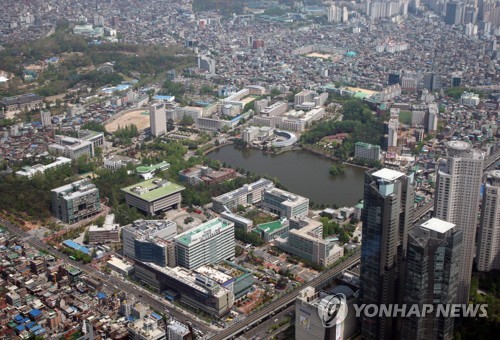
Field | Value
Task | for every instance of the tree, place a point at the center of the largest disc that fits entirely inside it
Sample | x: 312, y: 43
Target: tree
x: 187, y: 120
x: 170, y: 124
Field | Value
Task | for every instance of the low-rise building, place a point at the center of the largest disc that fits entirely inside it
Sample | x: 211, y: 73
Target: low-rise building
x: 70, y: 147
x: 272, y: 230
x: 178, y: 331
x: 307, y: 242
x: 23, y: 102
x: 109, y: 232
x: 194, y: 289
x: 97, y: 138
x: 284, y: 203
x: 145, y: 329
x: 120, y: 266
x: 154, y: 195
x: 249, y: 194
x: 116, y: 162
x: 239, y: 221
x: 30, y: 171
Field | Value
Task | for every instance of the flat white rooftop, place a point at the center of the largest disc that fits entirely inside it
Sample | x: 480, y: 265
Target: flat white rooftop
x: 388, y: 174
x: 437, y: 225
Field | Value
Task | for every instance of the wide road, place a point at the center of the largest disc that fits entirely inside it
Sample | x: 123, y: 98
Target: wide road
x: 112, y: 282
x: 285, y: 300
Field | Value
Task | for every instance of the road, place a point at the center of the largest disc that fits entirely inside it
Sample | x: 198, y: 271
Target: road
x: 156, y: 302
x: 262, y: 329
x: 284, y: 301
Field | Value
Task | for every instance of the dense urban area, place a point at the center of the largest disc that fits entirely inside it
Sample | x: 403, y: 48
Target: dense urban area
x: 242, y: 169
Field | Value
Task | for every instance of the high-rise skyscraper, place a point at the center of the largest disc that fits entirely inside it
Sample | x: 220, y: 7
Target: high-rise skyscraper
x: 432, y: 266
x: 457, y: 201
x: 488, y: 244
x: 387, y: 215
x: 158, y: 119
x: 454, y: 13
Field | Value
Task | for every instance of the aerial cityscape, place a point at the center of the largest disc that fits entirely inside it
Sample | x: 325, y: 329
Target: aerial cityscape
x: 249, y: 169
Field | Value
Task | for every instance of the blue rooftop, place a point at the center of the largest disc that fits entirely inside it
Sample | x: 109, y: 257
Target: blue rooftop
x: 35, y: 312
x: 101, y: 295
x: 76, y: 246
x: 20, y: 328
x: 156, y: 316
x: 167, y: 98
x: 18, y: 318
x: 31, y: 325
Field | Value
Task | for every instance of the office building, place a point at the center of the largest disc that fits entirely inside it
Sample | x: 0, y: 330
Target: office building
x: 97, y: 138
x: 109, y: 232
x: 208, y: 243
x: 308, y: 323
x: 456, y: 200
x: 276, y: 109
x: 76, y: 201
x: 367, y: 151
x: 23, y: 102
x: 284, y: 203
x: 432, y: 267
x: 239, y: 221
x: 304, y: 96
x: 178, y: 331
x: 207, y: 64
x: 271, y: 230
x: 192, y: 289
x: 70, y: 147
x: 248, y: 194
x: 394, y: 78
x: 116, y: 162
x: 150, y: 241
x: 30, y: 171
x: 387, y: 215
x: 488, y: 243
x: 454, y: 13
x: 307, y: 242
x: 154, y: 195
x: 158, y: 119
x: 229, y: 275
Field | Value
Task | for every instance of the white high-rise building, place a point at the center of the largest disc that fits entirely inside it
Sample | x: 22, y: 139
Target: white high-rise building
x: 158, y: 119
x: 208, y: 243
x: 45, y: 118
x: 392, y: 139
x: 488, y: 244
x: 457, y: 201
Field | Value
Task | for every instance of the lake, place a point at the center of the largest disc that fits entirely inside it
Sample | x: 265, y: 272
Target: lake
x: 301, y: 172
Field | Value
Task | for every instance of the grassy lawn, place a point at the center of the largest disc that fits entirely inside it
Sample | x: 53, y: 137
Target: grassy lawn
x: 405, y: 117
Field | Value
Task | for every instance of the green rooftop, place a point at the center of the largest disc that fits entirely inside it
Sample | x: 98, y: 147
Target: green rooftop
x: 269, y: 227
x: 153, y: 189
x: 145, y: 169
x: 198, y: 232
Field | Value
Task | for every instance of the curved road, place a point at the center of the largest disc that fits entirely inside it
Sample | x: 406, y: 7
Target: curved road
x: 285, y: 300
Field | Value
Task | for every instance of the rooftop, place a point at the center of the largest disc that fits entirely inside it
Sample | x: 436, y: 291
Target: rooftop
x: 261, y: 183
x: 435, y: 224
x: 269, y: 227
x: 203, y: 231
x: 153, y: 189
x: 388, y: 174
